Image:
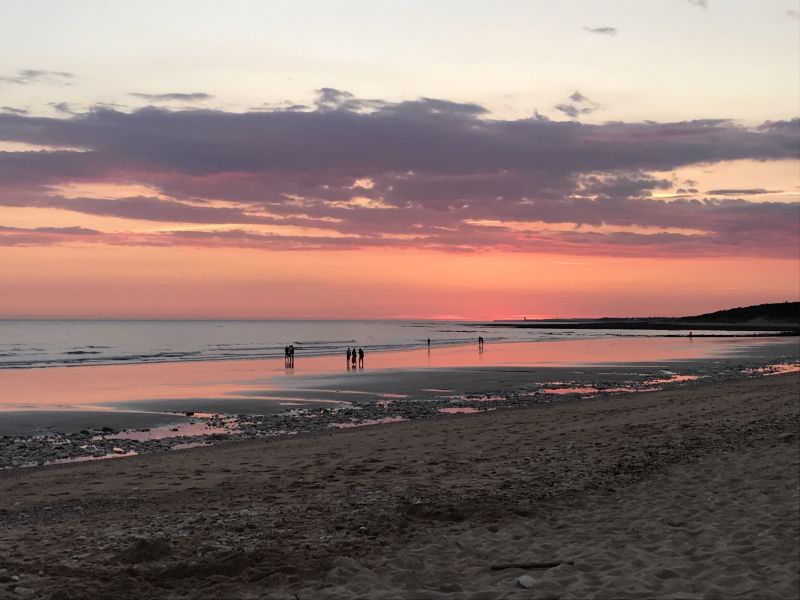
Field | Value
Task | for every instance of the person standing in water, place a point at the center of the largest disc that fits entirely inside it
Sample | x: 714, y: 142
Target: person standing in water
x: 355, y: 358
x: 347, y: 362
x: 361, y: 357
x: 480, y: 342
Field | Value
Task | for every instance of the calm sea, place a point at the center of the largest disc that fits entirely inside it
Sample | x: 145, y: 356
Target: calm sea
x: 42, y: 343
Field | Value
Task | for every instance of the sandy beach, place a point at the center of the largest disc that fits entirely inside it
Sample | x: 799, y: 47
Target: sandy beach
x: 399, y: 300
x: 682, y: 493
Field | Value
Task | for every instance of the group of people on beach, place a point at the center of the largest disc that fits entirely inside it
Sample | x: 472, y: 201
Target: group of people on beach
x: 355, y: 358
x: 288, y: 356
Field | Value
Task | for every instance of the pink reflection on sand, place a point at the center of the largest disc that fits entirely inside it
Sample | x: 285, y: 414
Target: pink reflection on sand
x: 775, y: 369
x: 672, y: 379
x: 55, y: 387
x: 649, y: 386
x: 367, y: 422
x: 454, y: 410
x: 167, y: 431
x: 571, y: 390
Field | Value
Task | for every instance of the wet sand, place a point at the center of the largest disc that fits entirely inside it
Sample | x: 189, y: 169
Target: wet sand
x: 43, y: 421
x: 53, y: 399
x: 682, y: 493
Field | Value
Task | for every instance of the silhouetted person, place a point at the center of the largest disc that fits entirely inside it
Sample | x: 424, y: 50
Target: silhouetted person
x: 348, y: 357
x: 286, y: 356
x: 429, y: 342
x: 480, y: 342
x: 355, y: 357
x: 361, y: 357
x: 290, y: 362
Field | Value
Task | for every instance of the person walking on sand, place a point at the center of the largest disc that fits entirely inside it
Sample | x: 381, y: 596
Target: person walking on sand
x: 347, y: 362
x: 355, y: 358
x: 361, y: 357
x: 286, y: 356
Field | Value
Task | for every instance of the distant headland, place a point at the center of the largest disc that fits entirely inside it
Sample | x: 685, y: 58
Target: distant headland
x: 775, y: 317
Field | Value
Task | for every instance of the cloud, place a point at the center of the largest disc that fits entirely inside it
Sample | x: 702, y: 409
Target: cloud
x: 62, y: 107
x: 580, y: 105
x: 44, y: 236
x: 699, y: 3
x: 442, y: 175
x: 602, y: 30
x: 572, y: 111
x: 12, y: 110
x: 795, y: 14
x: 32, y: 76
x: 173, y: 97
x: 741, y: 192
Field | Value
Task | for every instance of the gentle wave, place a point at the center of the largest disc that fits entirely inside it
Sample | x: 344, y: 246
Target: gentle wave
x: 31, y: 344
x: 244, y: 353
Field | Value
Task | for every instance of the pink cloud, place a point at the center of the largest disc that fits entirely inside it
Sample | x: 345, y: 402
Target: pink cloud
x: 434, y: 168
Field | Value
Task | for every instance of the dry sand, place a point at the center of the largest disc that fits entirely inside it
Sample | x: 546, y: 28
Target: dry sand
x: 685, y: 493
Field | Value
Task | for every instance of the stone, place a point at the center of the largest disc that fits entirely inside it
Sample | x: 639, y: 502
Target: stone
x: 526, y: 581
x: 23, y: 592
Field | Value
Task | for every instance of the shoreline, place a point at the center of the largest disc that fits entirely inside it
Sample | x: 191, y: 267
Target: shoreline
x: 688, y: 492
x: 744, y: 333
x: 327, y: 401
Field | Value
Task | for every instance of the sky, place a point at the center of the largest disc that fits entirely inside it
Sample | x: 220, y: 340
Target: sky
x: 387, y: 159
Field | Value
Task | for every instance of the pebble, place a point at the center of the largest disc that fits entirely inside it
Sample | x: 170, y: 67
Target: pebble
x: 526, y: 581
x: 23, y: 592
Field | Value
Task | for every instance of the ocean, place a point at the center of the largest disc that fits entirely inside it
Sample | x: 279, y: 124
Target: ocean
x: 51, y: 343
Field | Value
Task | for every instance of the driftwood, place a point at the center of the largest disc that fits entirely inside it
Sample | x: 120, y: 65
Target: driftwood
x: 547, y: 564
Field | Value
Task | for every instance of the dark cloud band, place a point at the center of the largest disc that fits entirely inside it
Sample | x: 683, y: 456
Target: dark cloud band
x: 429, y: 172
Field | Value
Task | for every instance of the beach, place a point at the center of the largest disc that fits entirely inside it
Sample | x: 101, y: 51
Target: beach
x: 689, y: 492
x: 399, y: 300
x: 73, y: 413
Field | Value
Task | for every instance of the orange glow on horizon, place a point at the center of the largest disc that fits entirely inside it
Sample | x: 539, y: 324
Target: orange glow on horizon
x: 154, y: 282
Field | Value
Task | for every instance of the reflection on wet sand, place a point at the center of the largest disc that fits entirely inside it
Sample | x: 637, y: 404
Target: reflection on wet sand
x: 114, y: 384
x: 218, y: 425
x: 774, y: 369
x: 153, y: 407
x: 454, y: 410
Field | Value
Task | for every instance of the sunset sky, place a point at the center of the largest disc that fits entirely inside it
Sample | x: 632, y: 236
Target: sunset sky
x: 380, y: 158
